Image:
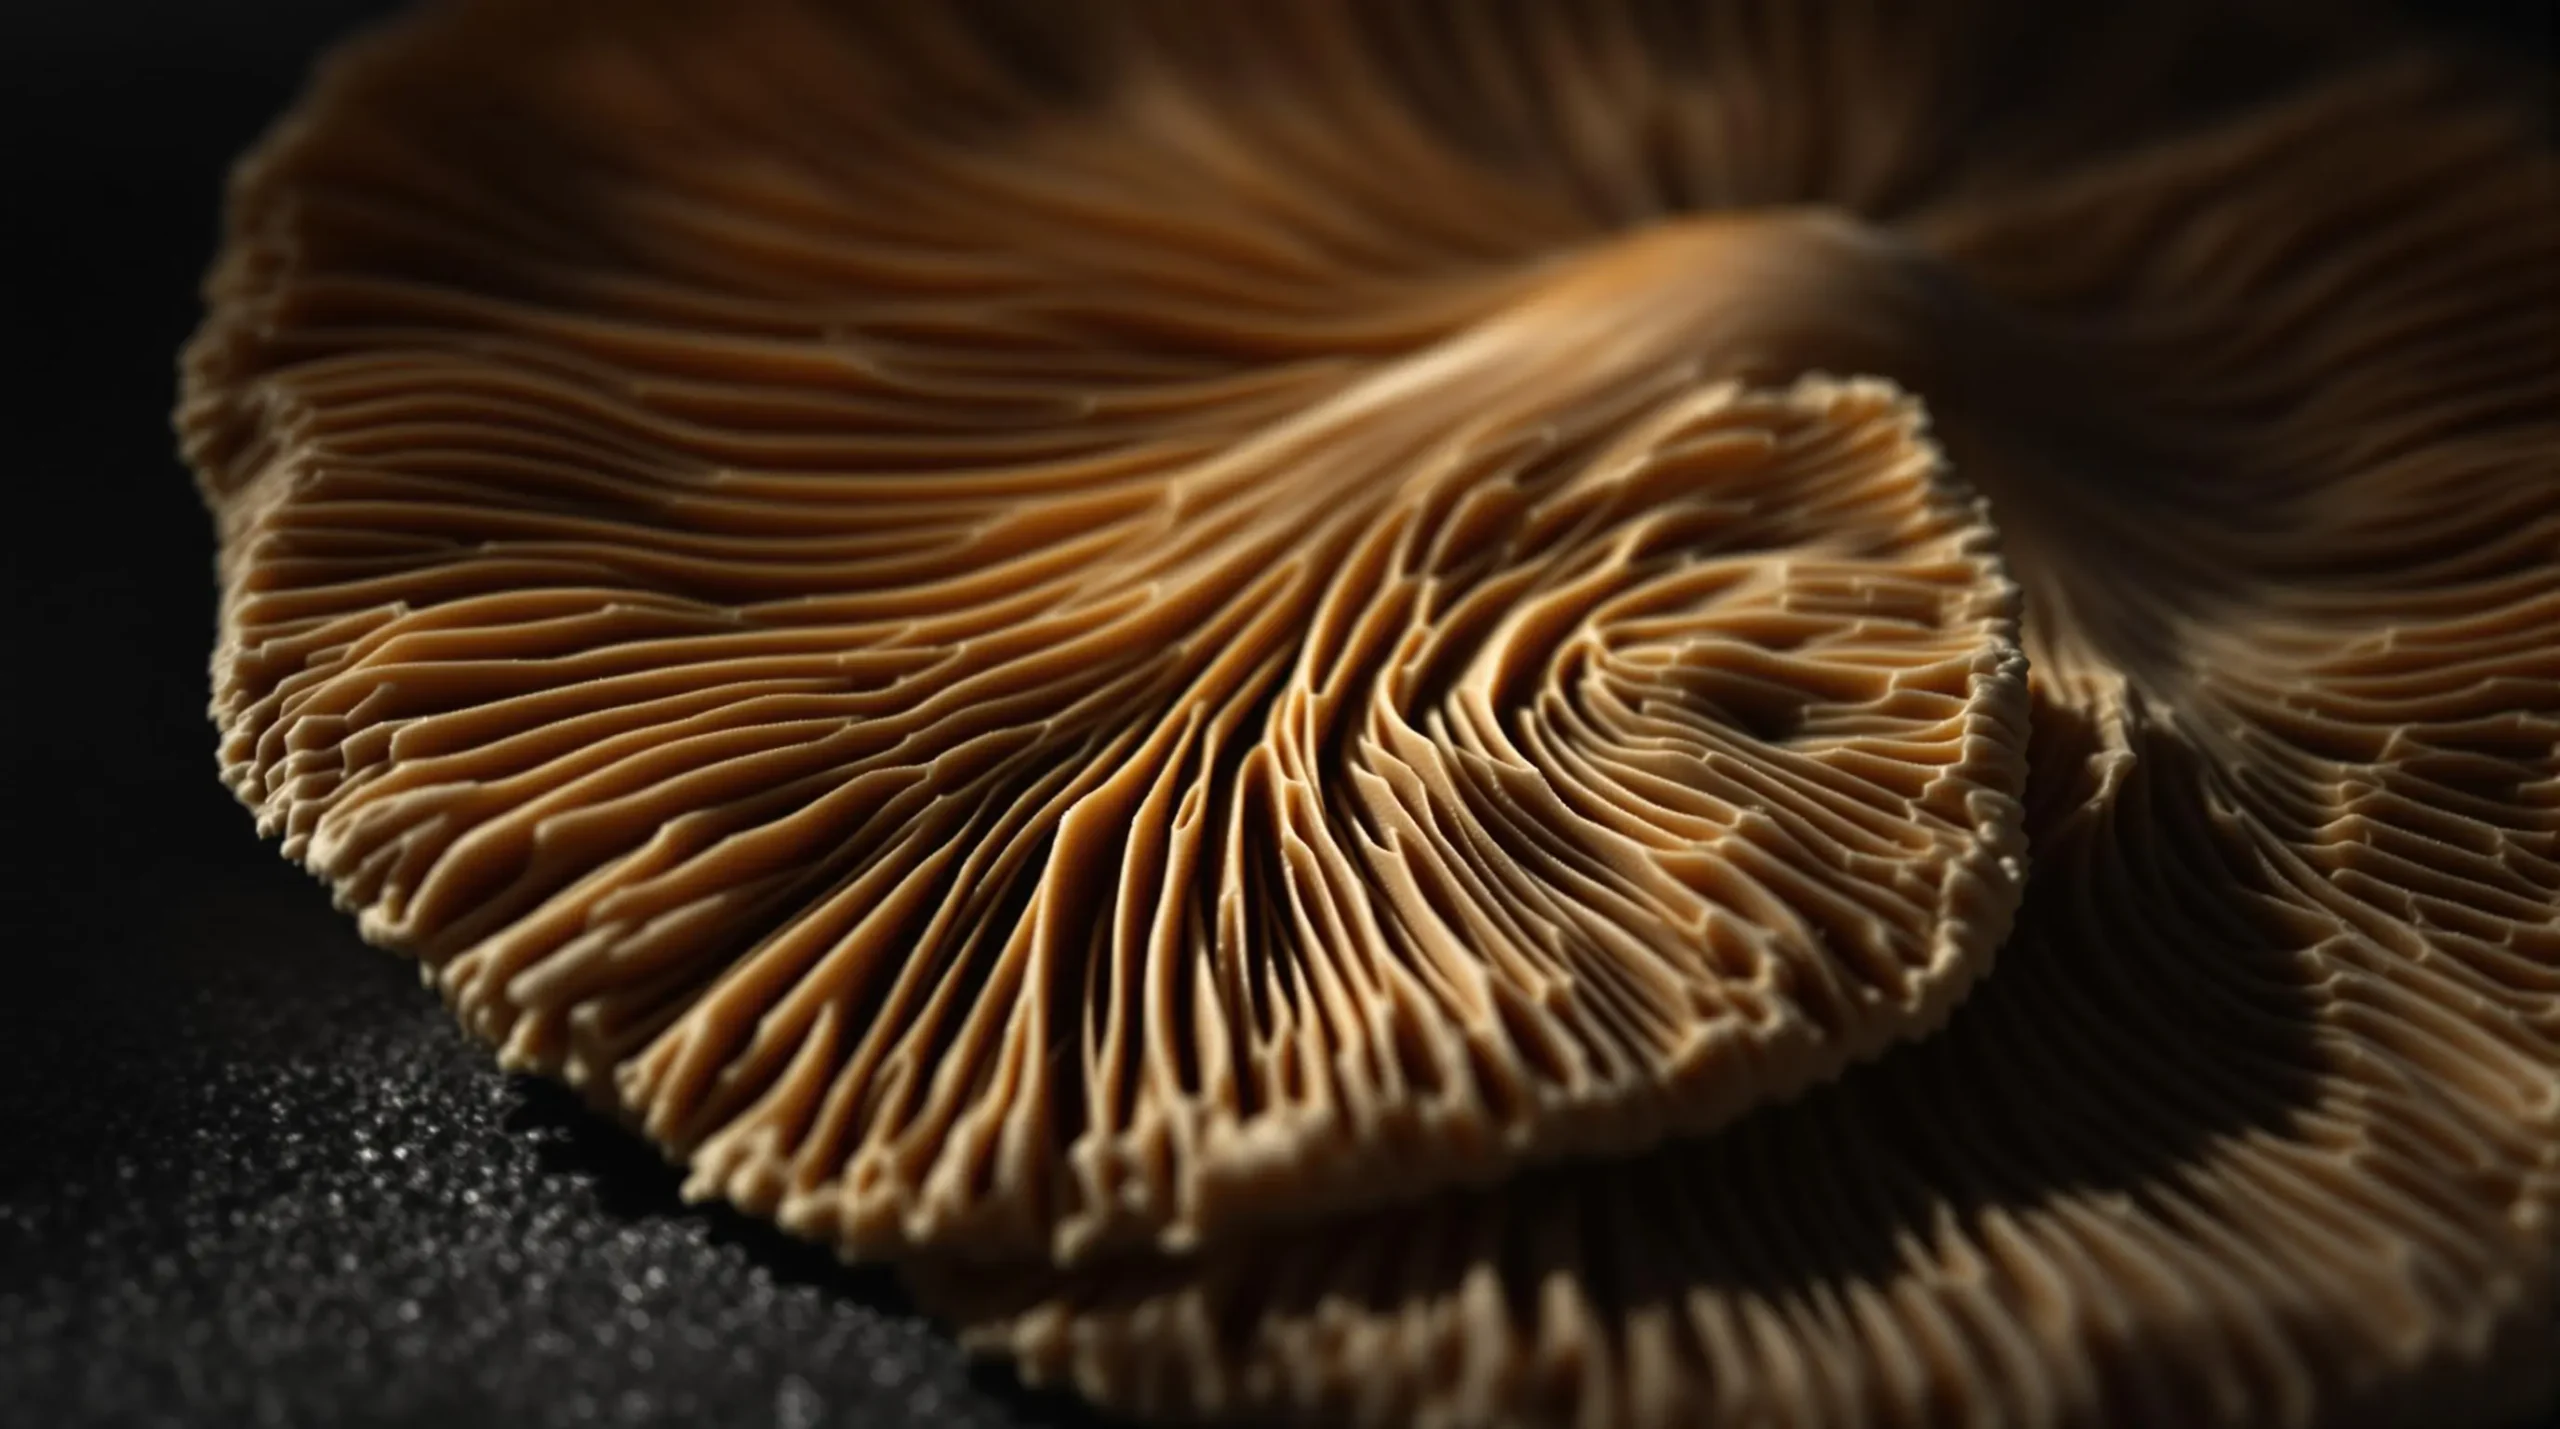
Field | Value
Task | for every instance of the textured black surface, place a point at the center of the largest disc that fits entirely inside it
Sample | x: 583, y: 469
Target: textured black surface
x: 274, y: 1186
x: 249, y: 1173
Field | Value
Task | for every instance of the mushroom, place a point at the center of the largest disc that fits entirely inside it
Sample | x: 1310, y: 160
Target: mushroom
x: 1021, y: 769
x: 1226, y: 672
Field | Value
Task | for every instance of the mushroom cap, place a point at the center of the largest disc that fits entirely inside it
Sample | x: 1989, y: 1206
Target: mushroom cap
x: 759, y: 540
x: 1024, y: 690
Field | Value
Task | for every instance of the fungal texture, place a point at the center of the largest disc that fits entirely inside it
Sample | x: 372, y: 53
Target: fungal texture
x: 1298, y: 693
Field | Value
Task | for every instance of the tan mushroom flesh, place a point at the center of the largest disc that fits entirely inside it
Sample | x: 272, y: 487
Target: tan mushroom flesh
x: 1228, y: 672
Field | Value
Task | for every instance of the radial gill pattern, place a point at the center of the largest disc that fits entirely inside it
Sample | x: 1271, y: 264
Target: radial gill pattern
x: 1285, y: 687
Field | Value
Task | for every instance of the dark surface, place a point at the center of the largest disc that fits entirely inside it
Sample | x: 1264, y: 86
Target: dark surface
x: 274, y: 1186
x: 249, y: 1173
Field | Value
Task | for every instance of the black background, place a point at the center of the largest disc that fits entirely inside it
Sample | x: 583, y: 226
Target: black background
x: 249, y: 1174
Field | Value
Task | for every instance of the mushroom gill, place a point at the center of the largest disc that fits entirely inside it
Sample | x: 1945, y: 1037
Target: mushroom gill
x: 1284, y: 688
x: 1029, y: 769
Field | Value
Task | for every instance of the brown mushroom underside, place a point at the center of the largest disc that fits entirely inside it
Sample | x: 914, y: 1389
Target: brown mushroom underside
x: 1058, y: 640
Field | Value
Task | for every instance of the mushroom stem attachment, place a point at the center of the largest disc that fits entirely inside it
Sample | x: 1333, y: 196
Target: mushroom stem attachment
x: 1758, y: 296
